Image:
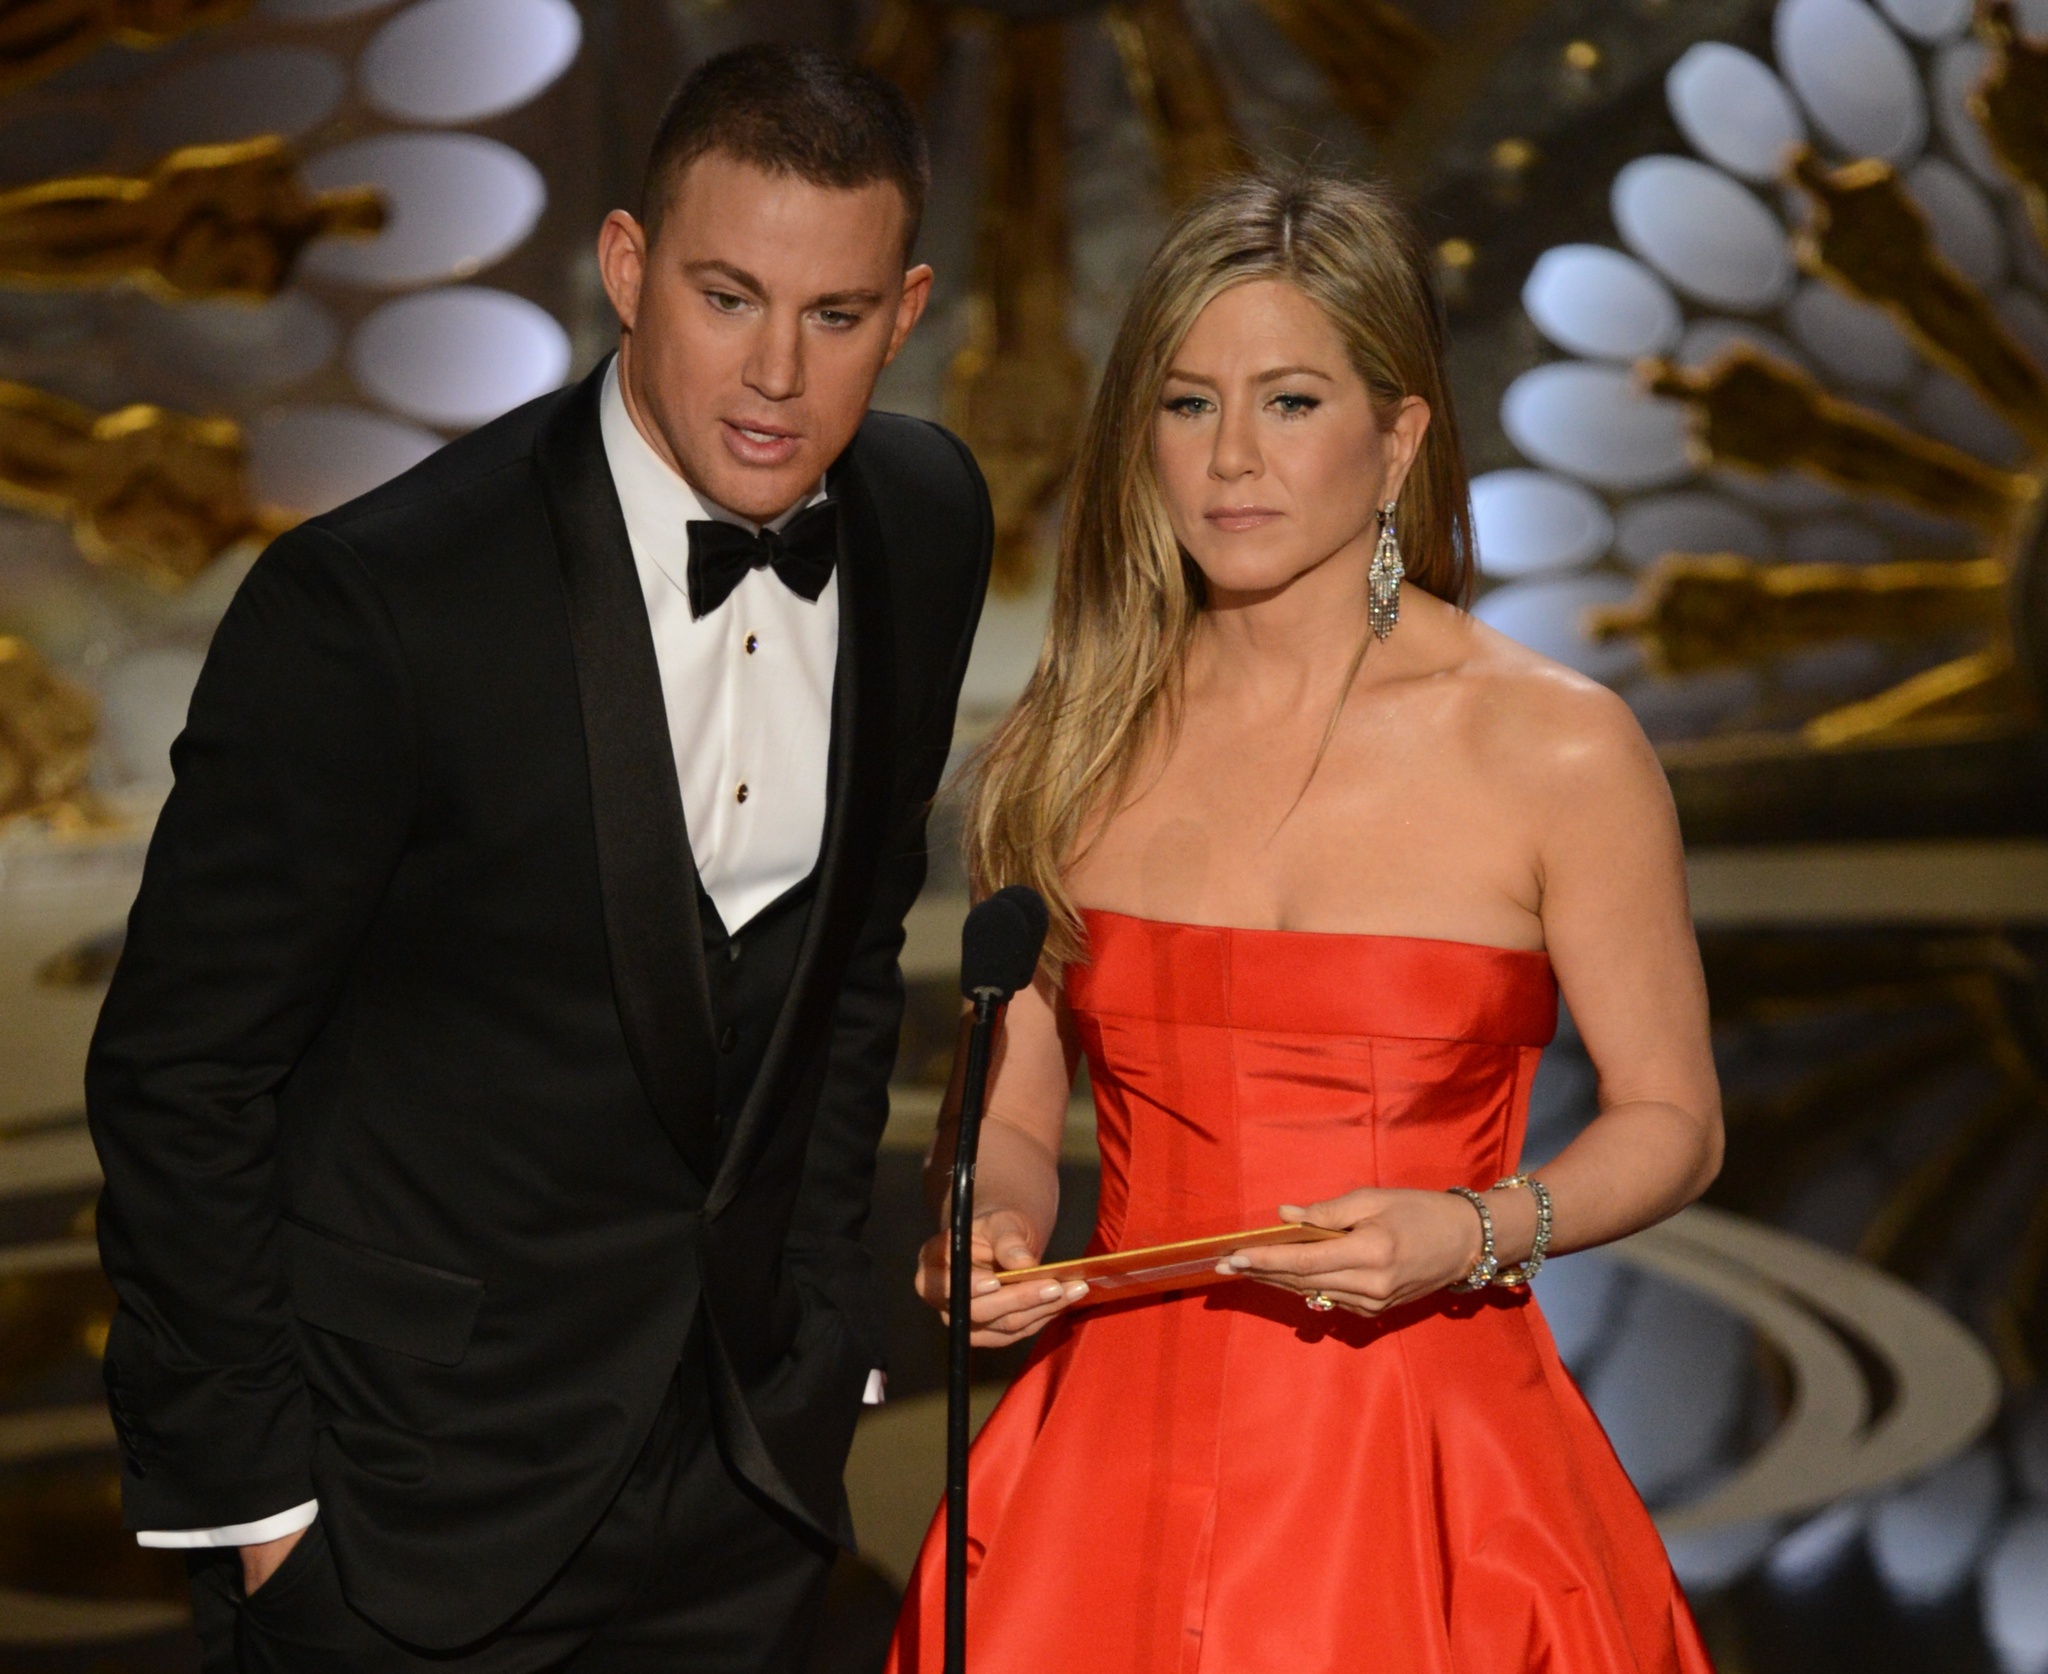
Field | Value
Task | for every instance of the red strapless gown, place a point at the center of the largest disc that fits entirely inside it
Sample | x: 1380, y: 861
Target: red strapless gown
x: 1220, y: 1480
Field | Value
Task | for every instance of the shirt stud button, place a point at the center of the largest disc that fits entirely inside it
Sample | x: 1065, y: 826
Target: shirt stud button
x: 730, y: 1040
x: 740, y: 795
x: 753, y: 643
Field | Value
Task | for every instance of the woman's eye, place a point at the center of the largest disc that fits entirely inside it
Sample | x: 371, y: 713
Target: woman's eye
x: 1293, y: 406
x: 1188, y: 406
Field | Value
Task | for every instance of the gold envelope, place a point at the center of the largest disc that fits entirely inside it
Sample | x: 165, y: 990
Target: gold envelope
x: 1182, y: 1266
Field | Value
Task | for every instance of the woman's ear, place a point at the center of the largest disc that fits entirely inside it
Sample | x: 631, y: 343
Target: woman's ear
x: 1404, y: 444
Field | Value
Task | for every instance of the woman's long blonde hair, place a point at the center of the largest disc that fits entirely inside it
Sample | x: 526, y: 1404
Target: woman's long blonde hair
x: 1127, y: 597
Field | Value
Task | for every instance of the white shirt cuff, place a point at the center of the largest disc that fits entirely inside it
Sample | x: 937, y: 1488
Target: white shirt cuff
x: 235, y: 1534
x: 877, y: 1390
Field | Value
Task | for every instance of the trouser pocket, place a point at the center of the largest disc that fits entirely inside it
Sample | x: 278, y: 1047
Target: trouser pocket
x: 288, y: 1574
x: 297, y: 1622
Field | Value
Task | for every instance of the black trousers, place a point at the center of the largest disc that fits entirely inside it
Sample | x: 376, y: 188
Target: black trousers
x: 690, y: 1569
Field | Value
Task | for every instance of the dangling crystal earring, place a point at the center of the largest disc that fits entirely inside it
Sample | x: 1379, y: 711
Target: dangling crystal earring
x: 1383, y: 581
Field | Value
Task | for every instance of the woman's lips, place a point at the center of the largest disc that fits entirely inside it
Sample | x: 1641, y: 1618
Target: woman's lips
x: 760, y: 444
x: 1237, y: 519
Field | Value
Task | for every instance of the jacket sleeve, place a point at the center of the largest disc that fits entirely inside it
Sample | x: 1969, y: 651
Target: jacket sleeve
x: 294, y: 794
x: 839, y: 1171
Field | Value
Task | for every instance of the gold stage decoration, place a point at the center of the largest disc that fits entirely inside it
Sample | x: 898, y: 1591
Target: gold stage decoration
x: 1373, y: 56
x: 40, y: 37
x: 47, y: 727
x: 1961, y: 698
x: 2011, y: 105
x: 153, y: 492
x: 1873, y: 241
x: 1016, y: 389
x: 207, y: 221
x: 1756, y: 412
x: 1178, y: 91
x: 1720, y: 610
x: 1866, y: 237
x: 907, y: 43
x: 1714, y: 610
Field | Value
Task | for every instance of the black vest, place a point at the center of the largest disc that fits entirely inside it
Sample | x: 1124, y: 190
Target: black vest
x: 749, y: 976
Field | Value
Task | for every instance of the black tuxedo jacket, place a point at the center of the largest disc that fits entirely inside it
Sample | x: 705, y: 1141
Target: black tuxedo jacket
x: 405, y: 1086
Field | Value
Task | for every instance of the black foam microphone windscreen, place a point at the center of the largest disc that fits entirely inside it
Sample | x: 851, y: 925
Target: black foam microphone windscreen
x: 1000, y: 942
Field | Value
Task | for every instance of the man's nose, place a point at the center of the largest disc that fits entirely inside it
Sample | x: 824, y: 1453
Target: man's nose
x: 776, y: 367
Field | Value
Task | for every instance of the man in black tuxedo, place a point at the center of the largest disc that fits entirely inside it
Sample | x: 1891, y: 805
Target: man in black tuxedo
x: 490, y: 1089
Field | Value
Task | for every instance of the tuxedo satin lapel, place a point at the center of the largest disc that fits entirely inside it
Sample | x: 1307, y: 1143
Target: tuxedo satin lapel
x: 862, y: 775
x: 645, y: 869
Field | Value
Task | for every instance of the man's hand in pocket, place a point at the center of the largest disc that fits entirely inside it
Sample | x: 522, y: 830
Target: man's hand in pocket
x: 260, y: 1563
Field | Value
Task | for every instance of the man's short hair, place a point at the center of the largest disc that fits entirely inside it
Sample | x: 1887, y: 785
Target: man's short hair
x: 790, y: 110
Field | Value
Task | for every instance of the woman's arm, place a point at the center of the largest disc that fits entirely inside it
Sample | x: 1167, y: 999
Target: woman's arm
x: 1017, y: 1168
x: 1619, y: 929
x: 1610, y: 871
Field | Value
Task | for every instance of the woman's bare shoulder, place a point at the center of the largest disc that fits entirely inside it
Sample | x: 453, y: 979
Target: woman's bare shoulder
x: 1536, y: 720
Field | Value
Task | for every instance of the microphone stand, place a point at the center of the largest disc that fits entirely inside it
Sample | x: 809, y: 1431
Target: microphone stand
x: 988, y: 1004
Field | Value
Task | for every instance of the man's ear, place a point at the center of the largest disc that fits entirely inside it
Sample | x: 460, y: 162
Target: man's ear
x: 622, y: 263
x: 910, y: 307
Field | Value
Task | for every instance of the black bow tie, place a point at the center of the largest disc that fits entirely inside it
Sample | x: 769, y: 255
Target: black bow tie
x: 802, y: 554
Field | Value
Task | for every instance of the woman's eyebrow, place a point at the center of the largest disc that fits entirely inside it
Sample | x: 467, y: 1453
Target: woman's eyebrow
x: 1177, y: 376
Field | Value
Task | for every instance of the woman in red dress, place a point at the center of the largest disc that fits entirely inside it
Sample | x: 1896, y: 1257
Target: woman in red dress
x: 1321, y: 850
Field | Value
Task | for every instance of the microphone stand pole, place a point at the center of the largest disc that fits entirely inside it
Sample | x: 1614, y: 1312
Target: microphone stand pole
x: 966, y: 1141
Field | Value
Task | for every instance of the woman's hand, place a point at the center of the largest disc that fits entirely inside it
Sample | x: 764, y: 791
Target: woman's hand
x: 1002, y: 1314
x: 1397, y: 1246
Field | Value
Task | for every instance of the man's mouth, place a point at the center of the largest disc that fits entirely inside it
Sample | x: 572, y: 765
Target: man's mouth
x: 754, y: 443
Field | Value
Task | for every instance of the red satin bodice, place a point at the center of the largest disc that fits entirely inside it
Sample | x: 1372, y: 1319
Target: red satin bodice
x: 1219, y: 1481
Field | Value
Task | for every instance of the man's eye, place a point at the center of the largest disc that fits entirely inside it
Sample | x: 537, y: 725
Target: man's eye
x: 838, y: 319
x: 725, y: 302
x: 1293, y: 406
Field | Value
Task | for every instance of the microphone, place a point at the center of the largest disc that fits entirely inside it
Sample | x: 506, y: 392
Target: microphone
x: 999, y: 948
x: 1000, y: 942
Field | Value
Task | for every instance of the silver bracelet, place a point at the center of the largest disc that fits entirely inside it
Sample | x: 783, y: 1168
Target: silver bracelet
x: 1515, y: 1278
x: 1488, y: 1263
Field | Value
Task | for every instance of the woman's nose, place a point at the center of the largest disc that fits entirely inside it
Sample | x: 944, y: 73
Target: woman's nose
x: 1236, y: 451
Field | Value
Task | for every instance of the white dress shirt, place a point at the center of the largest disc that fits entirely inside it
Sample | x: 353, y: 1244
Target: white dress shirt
x: 748, y: 690
x: 748, y: 687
